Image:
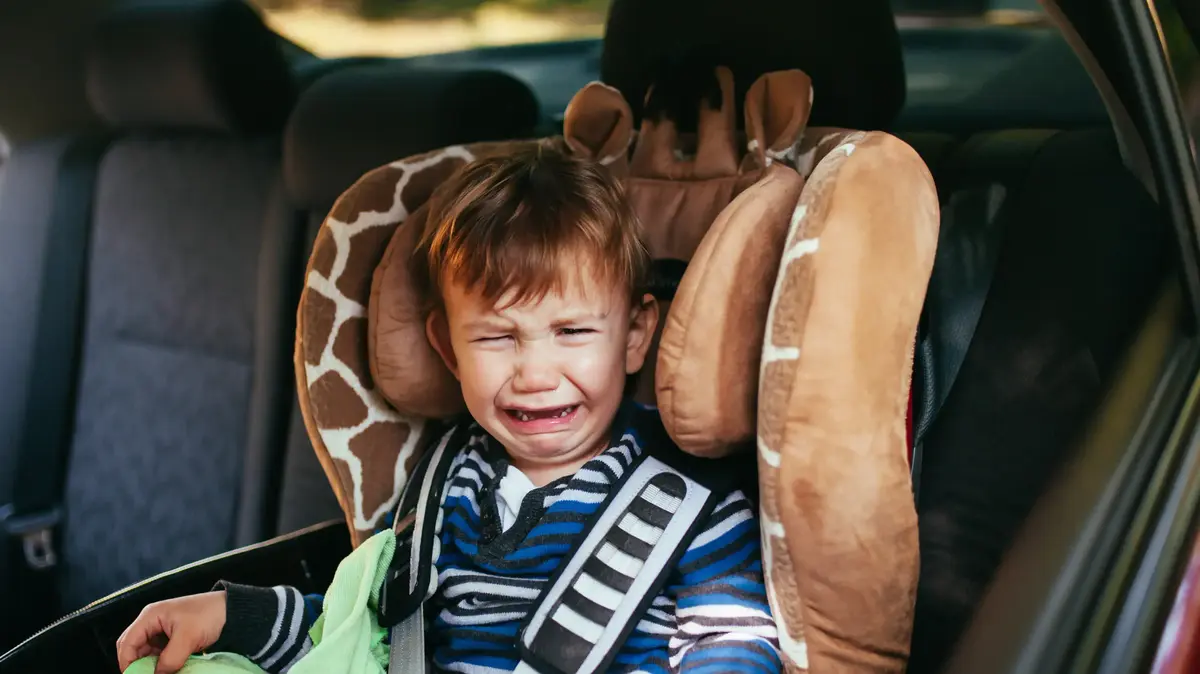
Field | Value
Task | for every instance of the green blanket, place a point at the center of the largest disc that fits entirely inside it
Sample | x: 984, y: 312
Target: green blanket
x: 347, y: 638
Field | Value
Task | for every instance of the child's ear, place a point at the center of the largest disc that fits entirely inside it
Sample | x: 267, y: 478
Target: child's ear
x: 643, y: 319
x: 437, y: 329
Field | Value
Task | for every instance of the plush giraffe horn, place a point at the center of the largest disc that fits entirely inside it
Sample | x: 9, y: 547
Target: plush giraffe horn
x: 716, y: 143
x: 653, y: 155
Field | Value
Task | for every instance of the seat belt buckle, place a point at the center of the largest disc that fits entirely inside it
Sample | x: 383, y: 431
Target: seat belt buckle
x: 36, y: 532
x: 396, y: 602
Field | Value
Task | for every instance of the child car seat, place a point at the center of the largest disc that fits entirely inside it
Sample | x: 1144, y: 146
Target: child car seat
x: 801, y: 258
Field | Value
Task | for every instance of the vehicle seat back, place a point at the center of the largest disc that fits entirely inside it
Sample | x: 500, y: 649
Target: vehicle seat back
x: 179, y: 382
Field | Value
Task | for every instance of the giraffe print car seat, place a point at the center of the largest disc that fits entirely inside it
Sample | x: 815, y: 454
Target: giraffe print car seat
x: 787, y: 342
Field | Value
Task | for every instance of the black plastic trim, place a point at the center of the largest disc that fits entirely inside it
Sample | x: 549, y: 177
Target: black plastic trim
x: 85, y: 641
x: 1165, y: 526
x: 1166, y: 136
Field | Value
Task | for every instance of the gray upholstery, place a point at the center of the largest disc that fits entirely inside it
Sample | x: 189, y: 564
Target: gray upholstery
x: 352, y: 121
x: 183, y: 390
x: 168, y: 360
x: 281, y: 261
x: 206, y: 64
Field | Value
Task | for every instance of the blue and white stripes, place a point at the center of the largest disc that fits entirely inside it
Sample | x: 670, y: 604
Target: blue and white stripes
x: 711, y: 616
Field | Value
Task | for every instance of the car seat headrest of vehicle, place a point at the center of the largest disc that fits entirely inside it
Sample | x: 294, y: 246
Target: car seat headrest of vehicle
x: 353, y: 120
x: 851, y: 50
x: 204, y: 64
x: 806, y: 252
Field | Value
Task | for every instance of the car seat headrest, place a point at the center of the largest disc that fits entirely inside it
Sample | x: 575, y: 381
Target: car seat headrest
x: 350, y: 121
x: 199, y: 64
x: 851, y: 50
x: 678, y: 184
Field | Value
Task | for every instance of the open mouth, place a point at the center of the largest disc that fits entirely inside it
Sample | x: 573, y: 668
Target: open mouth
x: 543, y: 414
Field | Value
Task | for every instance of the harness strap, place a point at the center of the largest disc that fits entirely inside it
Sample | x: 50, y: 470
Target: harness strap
x: 31, y: 523
x: 587, y: 610
x: 409, y: 582
x: 584, y: 616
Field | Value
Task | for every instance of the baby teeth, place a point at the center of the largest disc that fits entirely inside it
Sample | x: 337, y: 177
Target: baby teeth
x: 525, y: 416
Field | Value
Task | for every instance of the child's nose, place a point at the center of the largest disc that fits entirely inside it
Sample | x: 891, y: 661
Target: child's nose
x: 534, y: 375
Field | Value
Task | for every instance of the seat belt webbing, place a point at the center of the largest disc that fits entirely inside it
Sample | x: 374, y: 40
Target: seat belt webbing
x: 41, y: 461
x: 584, y: 616
x: 408, y: 580
x: 958, y: 289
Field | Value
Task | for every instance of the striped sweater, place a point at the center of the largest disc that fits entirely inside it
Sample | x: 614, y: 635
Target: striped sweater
x: 499, y: 541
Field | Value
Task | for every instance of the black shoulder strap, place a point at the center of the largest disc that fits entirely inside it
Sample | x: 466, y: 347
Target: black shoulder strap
x: 406, y: 584
x: 968, y: 250
x: 41, y: 463
x: 409, y: 579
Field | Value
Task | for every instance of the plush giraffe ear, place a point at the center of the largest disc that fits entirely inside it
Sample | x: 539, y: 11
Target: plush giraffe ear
x: 777, y: 109
x: 598, y: 125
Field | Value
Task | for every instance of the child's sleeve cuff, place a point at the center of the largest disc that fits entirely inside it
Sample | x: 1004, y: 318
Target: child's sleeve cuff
x: 251, y: 614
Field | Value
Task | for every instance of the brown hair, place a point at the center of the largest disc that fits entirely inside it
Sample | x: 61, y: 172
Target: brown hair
x: 519, y: 222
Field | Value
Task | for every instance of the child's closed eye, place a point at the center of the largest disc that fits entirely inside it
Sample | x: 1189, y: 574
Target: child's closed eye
x: 491, y: 339
x: 571, y: 332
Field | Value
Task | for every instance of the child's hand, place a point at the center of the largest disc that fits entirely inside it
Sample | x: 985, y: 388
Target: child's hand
x: 173, y: 630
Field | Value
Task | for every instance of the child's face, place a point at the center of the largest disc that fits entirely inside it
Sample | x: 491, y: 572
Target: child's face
x: 545, y: 377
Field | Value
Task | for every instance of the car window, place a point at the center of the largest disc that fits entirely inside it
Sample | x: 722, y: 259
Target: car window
x: 1179, y: 33
x: 414, y: 27
x: 964, y: 7
x: 336, y: 28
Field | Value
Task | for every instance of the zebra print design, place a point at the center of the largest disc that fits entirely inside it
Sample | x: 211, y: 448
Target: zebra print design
x: 587, y: 606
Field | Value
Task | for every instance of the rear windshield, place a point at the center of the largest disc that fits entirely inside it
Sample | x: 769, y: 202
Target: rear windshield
x: 335, y: 28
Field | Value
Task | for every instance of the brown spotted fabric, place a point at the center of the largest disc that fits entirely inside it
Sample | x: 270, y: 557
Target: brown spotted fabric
x: 791, y: 334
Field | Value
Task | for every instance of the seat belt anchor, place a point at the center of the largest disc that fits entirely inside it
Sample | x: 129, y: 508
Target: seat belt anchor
x: 36, y: 532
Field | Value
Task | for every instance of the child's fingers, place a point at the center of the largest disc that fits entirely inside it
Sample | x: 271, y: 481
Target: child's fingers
x: 148, y: 649
x: 134, y: 642
x: 178, y: 650
x: 143, y: 652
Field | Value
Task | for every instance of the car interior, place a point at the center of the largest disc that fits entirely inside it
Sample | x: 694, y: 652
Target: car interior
x: 197, y: 152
